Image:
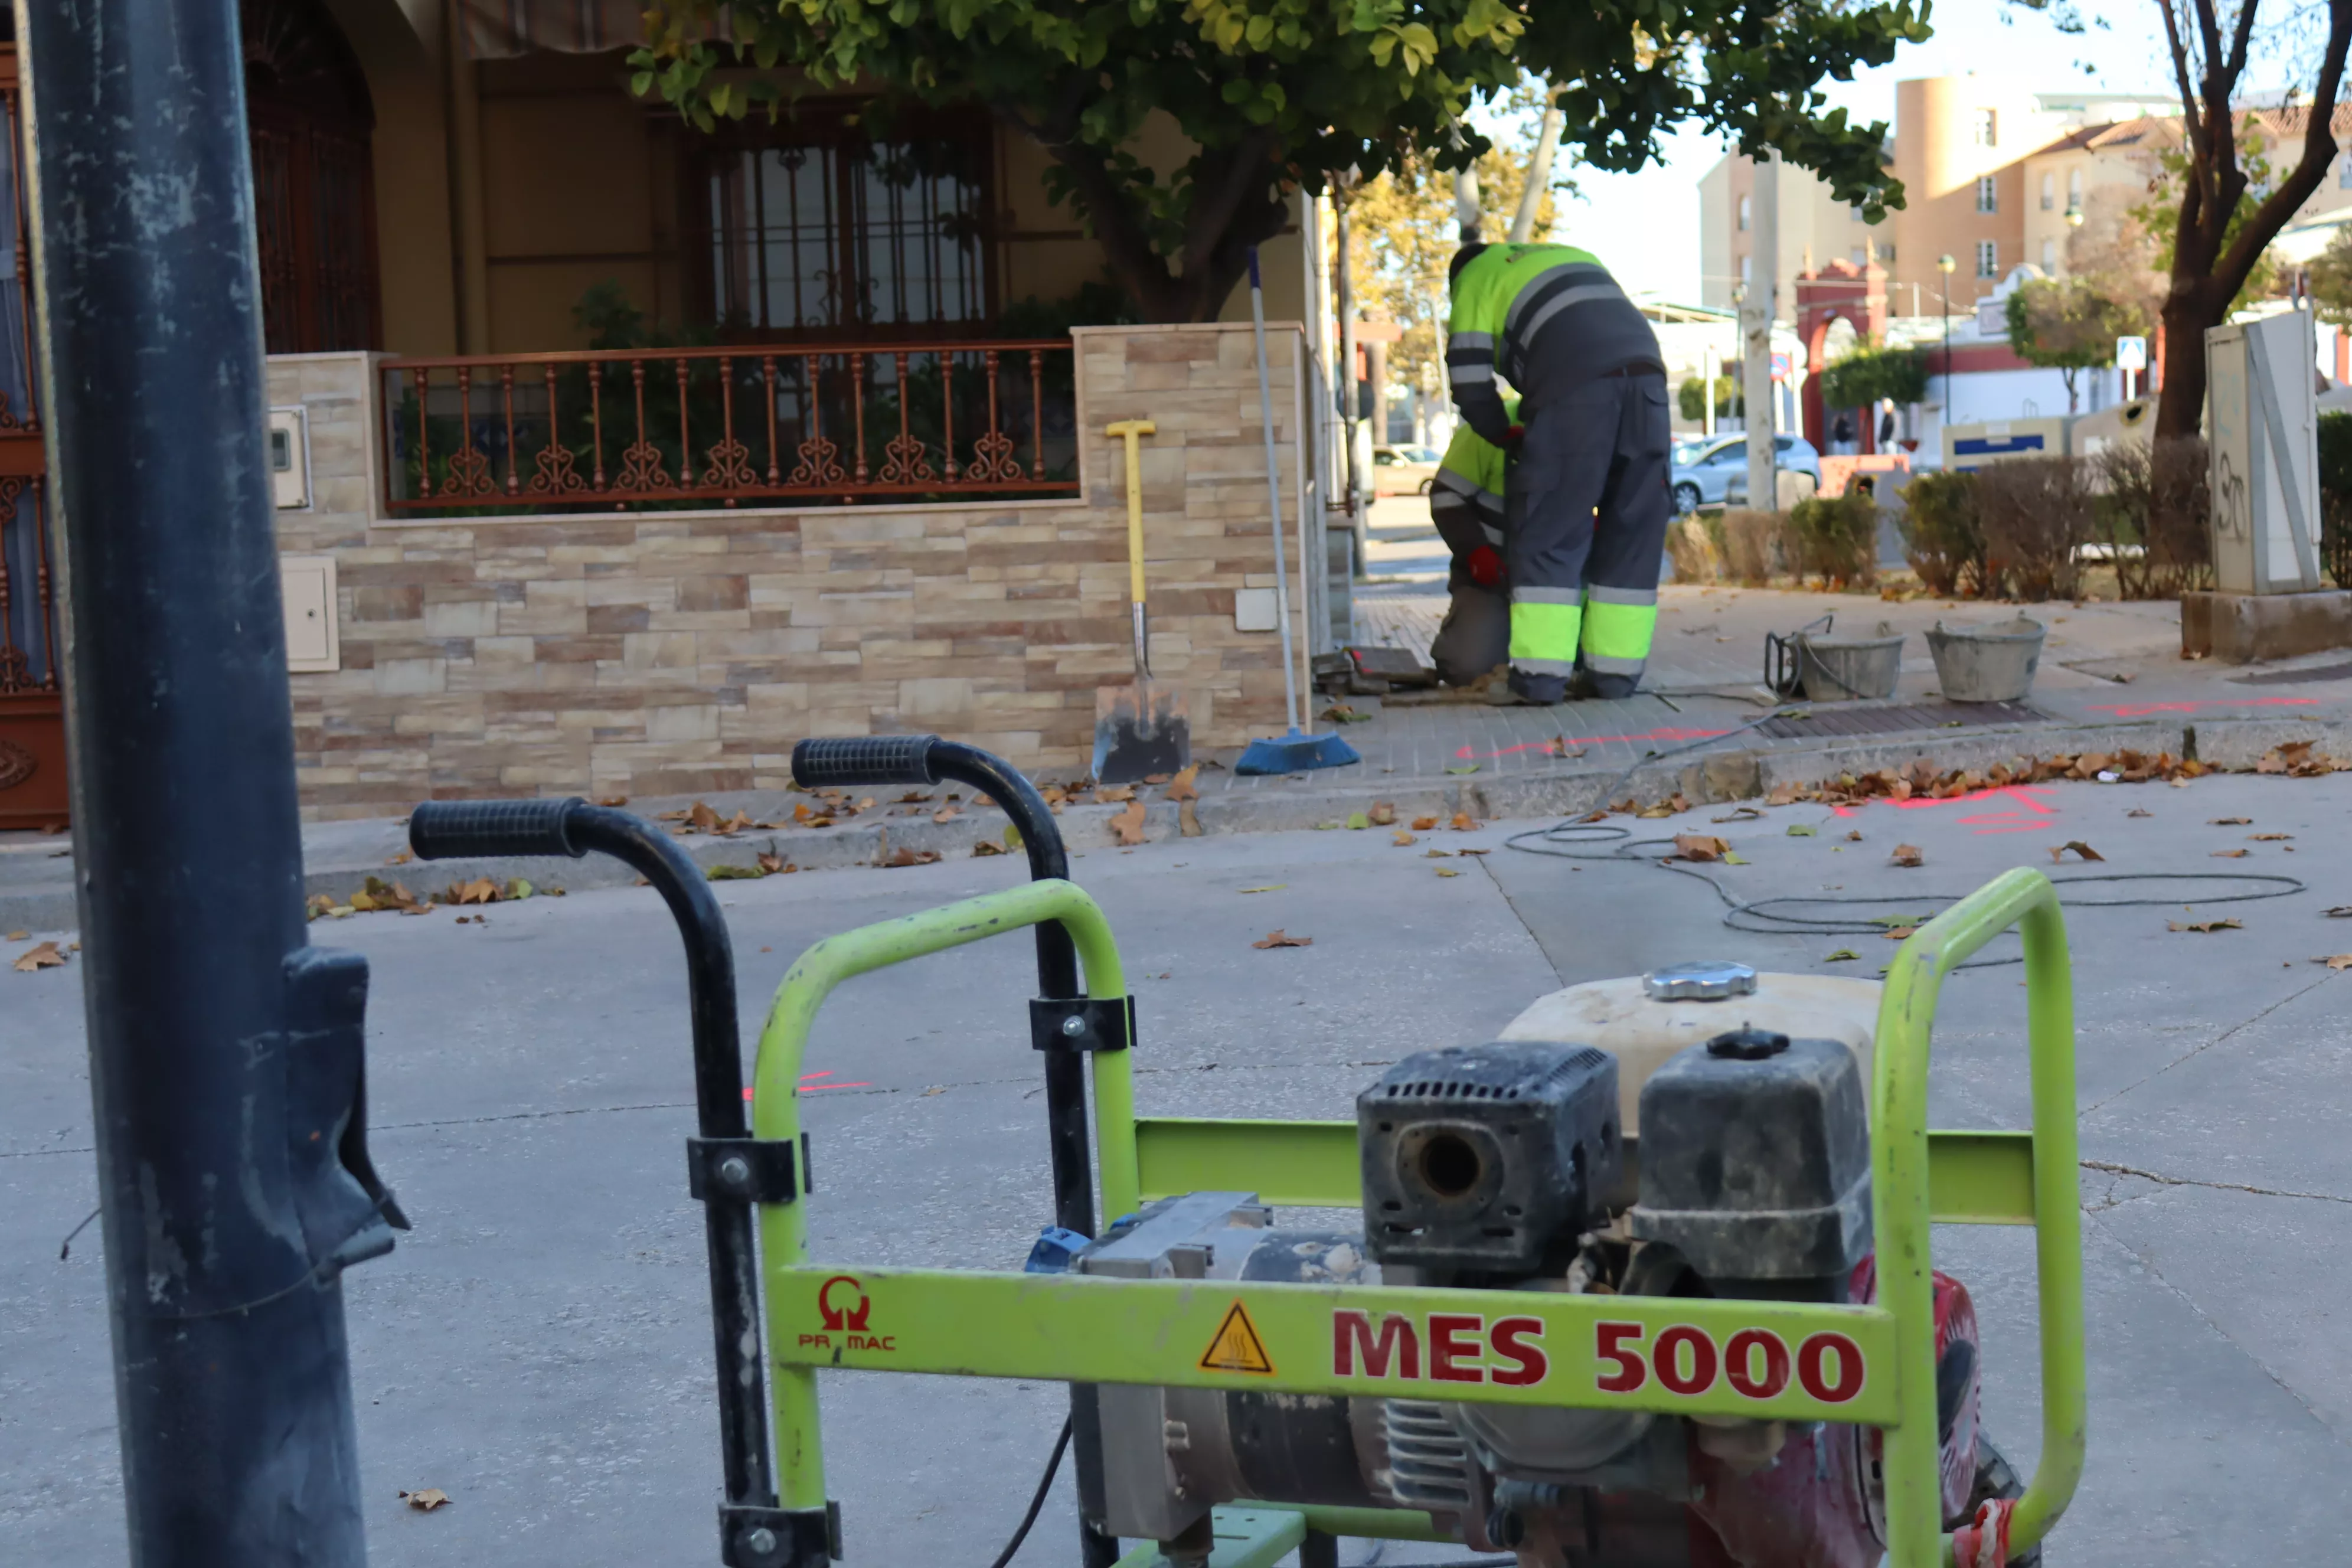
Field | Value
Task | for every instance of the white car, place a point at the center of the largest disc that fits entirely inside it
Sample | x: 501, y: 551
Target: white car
x: 1404, y: 470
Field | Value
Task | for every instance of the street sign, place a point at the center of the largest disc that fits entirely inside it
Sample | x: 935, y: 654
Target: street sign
x: 1779, y: 367
x: 2131, y: 353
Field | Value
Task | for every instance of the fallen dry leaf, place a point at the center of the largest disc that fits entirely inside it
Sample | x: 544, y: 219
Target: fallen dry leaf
x: 906, y: 856
x: 1463, y: 823
x: 612, y: 800
x: 773, y: 864
x: 1473, y: 852
x: 1111, y: 794
x: 2231, y: 822
x: 1383, y: 814
x: 1784, y: 795
x: 1269, y: 888
x: 1739, y: 814
x: 701, y: 818
x: 1853, y: 837
x: 403, y: 858
x: 427, y: 1501
x: 44, y: 956
x: 1655, y: 812
x: 1441, y: 855
x: 2231, y: 854
x: 1283, y: 939
x: 947, y: 814
x: 2340, y: 961
x: 1404, y: 838
x: 1841, y: 955
x: 987, y: 846
x: 2058, y: 852
x: 1188, y: 819
x: 1899, y: 932
x: 2203, y: 925
x: 1423, y: 824
x: 1699, y: 846
x: 1184, y: 786
x: 1128, y: 824
x: 1907, y: 855
x: 1447, y: 872
x: 2269, y: 838
x: 21, y: 935
x: 914, y: 798
x: 2136, y: 811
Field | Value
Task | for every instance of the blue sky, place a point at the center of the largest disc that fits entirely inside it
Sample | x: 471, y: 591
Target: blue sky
x: 1645, y: 226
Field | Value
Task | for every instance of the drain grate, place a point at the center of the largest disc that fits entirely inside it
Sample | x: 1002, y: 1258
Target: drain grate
x: 1841, y: 718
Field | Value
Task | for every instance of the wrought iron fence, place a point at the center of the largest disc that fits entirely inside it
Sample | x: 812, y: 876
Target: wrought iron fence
x: 662, y: 428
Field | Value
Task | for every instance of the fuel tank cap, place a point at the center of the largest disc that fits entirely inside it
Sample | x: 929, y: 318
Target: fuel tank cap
x: 1705, y: 981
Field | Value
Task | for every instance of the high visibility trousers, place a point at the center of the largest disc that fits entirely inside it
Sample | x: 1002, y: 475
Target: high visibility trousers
x: 1589, y: 506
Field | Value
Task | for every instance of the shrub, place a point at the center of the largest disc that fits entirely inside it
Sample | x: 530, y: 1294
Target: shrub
x: 2335, y: 497
x: 2152, y: 515
x: 1837, y: 538
x: 1940, y: 533
x: 1756, y: 545
x: 2036, y: 515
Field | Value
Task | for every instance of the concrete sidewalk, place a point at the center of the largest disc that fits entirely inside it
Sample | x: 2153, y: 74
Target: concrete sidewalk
x: 2111, y: 679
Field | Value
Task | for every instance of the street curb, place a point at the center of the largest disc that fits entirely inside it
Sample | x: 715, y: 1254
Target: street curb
x: 1704, y: 777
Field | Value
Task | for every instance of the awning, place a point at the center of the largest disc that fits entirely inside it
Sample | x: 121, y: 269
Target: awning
x: 501, y: 29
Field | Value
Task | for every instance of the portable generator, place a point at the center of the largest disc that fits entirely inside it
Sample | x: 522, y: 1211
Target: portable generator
x: 1642, y: 1281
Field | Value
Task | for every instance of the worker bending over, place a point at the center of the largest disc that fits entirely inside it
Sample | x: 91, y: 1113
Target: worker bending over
x: 1466, y: 502
x: 1586, y: 505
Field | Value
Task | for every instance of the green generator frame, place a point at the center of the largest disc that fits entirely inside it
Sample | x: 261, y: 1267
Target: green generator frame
x: 1866, y: 1364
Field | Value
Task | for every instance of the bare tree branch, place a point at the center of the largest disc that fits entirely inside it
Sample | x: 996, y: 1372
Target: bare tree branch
x: 2318, y: 151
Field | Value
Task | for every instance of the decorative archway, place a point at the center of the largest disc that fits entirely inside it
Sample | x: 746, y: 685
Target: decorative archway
x: 312, y: 121
x: 1839, y: 291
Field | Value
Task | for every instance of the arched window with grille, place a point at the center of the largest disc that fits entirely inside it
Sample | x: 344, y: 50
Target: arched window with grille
x: 311, y: 122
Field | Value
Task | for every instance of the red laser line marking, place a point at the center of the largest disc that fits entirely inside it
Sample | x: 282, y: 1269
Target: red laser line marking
x: 2032, y: 819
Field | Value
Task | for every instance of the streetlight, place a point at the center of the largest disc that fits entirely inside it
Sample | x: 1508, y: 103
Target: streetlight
x: 1944, y: 263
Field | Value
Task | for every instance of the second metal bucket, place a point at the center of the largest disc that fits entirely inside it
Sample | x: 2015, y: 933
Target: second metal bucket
x: 1986, y: 664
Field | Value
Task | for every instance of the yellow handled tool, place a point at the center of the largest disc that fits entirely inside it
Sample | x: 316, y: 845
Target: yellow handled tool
x: 1138, y: 731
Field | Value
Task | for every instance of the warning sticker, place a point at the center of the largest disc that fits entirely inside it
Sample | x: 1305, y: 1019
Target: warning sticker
x: 1237, y: 1347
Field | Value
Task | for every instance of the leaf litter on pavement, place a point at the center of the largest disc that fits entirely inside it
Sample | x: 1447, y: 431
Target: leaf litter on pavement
x: 1283, y: 939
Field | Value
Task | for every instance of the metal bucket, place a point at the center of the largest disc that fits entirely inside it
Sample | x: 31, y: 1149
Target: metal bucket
x: 1986, y: 664
x: 1839, y: 669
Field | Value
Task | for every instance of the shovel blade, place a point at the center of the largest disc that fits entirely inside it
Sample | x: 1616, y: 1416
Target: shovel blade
x: 1140, y: 730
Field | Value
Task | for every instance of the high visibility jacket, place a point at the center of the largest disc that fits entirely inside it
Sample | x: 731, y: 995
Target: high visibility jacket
x: 1545, y: 318
x: 1474, y: 471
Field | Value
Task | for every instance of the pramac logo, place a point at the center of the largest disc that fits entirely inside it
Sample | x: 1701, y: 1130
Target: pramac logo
x: 842, y: 1306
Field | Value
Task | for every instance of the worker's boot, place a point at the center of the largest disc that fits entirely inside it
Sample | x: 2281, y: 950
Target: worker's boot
x: 1525, y: 690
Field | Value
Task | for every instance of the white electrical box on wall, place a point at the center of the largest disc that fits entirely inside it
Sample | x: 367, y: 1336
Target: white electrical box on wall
x: 1253, y: 610
x: 306, y: 584
x: 2262, y: 420
x: 290, y: 457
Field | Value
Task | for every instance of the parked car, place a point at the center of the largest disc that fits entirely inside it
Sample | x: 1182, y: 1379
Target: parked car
x: 1404, y: 470
x: 1712, y: 471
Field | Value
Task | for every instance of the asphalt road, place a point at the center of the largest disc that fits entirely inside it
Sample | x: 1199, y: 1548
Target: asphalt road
x: 537, y: 1347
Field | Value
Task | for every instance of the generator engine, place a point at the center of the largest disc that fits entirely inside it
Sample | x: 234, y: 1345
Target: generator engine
x: 1736, y: 1165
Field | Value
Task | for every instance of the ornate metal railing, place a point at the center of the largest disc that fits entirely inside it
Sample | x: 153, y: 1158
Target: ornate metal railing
x: 663, y: 429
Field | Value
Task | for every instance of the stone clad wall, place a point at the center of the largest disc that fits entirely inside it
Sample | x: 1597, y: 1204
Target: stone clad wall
x: 645, y: 654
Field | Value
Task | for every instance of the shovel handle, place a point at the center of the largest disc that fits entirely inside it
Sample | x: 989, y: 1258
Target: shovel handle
x: 1132, y: 432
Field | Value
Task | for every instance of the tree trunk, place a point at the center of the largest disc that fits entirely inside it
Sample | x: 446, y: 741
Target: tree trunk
x: 2188, y: 311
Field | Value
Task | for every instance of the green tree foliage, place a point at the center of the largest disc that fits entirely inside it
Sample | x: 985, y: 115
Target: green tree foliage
x: 1691, y: 397
x: 1272, y: 95
x: 2331, y: 279
x: 2176, y: 174
x: 2069, y: 325
x: 1867, y: 376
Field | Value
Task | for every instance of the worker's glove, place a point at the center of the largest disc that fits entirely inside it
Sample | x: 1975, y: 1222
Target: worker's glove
x: 1485, y: 566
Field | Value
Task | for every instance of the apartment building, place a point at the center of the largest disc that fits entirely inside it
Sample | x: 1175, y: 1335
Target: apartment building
x: 1972, y: 153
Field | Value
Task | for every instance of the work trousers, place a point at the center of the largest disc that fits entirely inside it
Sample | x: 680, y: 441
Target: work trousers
x: 1476, y: 633
x: 1588, y: 507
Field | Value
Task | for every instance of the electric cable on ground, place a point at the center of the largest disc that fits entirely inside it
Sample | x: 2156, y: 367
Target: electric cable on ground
x: 1037, y: 1502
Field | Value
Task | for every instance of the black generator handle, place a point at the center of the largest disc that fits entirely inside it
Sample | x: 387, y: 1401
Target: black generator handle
x: 445, y: 829
x: 440, y: 829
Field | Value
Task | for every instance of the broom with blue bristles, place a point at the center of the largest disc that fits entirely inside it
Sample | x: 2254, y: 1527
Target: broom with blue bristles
x: 1299, y: 751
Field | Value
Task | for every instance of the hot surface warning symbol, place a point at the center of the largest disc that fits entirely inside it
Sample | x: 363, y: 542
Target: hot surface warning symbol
x: 1237, y: 1347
